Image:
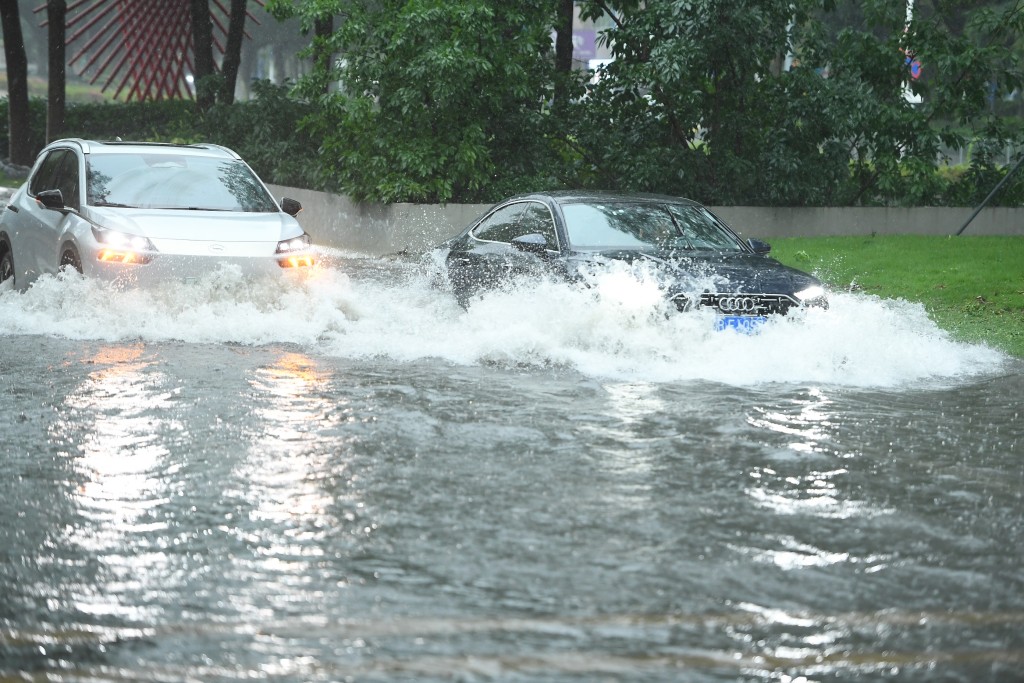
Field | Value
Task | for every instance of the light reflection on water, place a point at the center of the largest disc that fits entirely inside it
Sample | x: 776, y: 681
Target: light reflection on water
x: 346, y: 505
x: 111, y: 431
x: 286, y: 458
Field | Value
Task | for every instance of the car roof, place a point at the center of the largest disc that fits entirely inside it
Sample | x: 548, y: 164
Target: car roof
x: 121, y: 147
x: 585, y: 196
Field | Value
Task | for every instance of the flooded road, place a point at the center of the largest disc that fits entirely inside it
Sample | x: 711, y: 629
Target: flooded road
x: 352, y: 478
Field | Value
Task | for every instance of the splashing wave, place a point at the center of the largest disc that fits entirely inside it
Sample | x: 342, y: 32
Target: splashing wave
x: 619, y: 326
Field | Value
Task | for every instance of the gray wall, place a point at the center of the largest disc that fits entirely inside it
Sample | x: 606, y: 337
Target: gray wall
x: 375, y: 229
x: 770, y: 222
x: 336, y: 221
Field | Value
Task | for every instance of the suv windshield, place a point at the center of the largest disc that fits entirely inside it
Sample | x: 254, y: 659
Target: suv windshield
x: 622, y: 225
x: 155, y: 180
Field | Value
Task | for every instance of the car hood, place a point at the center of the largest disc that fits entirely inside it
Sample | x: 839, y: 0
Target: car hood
x: 714, y: 271
x: 183, y: 224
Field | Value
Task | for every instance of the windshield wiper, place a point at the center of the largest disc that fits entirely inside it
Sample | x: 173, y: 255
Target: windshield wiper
x: 187, y: 208
x: 116, y: 205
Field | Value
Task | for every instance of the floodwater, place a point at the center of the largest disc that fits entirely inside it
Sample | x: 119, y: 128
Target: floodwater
x: 351, y: 478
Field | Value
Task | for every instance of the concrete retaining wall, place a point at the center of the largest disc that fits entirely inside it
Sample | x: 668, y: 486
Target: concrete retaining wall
x: 767, y: 222
x: 375, y: 229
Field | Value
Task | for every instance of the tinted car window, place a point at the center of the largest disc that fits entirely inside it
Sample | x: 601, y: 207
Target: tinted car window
x: 619, y: 225
x: 536, y: 218
x: 45, y: 177
x: 502, y: 225
x: 702, y: 229
x: 516, y: 220
x: 174, y: 181
x: 67, y: 179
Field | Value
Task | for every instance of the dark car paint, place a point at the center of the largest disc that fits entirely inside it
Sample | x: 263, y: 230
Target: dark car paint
x: 476, y: 265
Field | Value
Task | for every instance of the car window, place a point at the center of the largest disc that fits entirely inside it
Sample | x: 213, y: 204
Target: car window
x: 702, y: 230
x: 619, y: 226
x: 45, y: 177
x: 516, y: 220
x: 174, y: 181
x: 536, y: 218
x: 67, y: 179
x: 623, y: 225
x: 502, y: 225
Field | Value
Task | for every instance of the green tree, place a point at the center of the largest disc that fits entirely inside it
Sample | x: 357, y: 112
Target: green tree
x: 694, y: 103
x: 439, y: 100
x: 690, y: 105
x: 967, y: 63
x: 468, y: 100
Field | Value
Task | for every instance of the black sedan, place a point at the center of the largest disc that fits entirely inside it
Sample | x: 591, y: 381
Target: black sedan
x: 569, y: 234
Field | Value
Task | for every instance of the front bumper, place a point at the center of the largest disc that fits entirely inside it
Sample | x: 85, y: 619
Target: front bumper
x: 176, y: 268
x: 746, y: 304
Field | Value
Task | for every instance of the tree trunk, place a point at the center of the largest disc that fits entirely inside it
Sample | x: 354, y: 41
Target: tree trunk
x: 56, y: 13
x: 202, y: 52
x: 19, y: 142
x: 323, y: 29
x: 232, y: 51
x: 563, y: 52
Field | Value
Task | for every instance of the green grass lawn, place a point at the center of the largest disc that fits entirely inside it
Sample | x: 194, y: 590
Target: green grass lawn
x: 972, y: 287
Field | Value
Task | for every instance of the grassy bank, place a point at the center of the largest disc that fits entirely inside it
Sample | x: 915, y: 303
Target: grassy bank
x: 971, y: 286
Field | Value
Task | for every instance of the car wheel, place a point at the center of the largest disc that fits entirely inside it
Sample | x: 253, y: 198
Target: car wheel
x: 70, y: 258
x: 6, y: 271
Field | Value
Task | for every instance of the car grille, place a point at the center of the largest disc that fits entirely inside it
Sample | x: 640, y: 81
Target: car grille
x: 739, y: 304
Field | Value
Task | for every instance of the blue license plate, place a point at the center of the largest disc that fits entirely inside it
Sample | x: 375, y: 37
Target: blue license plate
x: 747, y: 324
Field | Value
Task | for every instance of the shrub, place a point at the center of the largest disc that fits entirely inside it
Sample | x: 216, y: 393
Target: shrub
x: 270, y: 132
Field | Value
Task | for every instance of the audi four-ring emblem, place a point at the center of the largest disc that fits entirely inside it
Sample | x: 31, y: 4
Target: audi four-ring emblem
x: 737, y: 304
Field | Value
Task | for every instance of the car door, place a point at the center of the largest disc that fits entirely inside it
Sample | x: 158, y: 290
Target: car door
x: 40, y: 229
x: 492, y: 255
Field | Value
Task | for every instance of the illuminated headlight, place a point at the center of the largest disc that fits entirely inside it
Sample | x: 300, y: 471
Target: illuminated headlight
x: 120, y: 247
x: 294, y: 252
x: 812, y: 296
x: 300, y: 243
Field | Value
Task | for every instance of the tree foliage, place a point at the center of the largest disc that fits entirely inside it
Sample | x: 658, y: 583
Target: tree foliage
x: 439, y: 101
x: 694, y: 103
x: 966, y: 65
x: 690, y: 104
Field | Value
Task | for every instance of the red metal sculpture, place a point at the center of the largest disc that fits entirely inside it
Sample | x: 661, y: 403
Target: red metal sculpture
x: 142, y: 48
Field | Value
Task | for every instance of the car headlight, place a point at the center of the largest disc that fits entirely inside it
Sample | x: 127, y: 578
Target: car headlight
x: 813, y: 296
x: 121, y: 247
x: 295, y: 252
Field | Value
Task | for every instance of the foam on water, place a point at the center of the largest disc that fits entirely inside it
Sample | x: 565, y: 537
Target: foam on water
x: 617, y: 327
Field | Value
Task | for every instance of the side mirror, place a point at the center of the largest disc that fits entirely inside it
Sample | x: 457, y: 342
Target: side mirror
x: 534, y: 243
x: 291, y: 206
x: 51, y: 199
x: 759, y: 247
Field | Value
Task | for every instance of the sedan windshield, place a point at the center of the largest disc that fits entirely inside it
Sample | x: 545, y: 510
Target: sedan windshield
x: 622, y: 225
x: 174, y: 181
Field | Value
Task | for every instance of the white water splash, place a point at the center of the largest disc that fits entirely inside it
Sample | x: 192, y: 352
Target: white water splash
x: 617, y: 327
